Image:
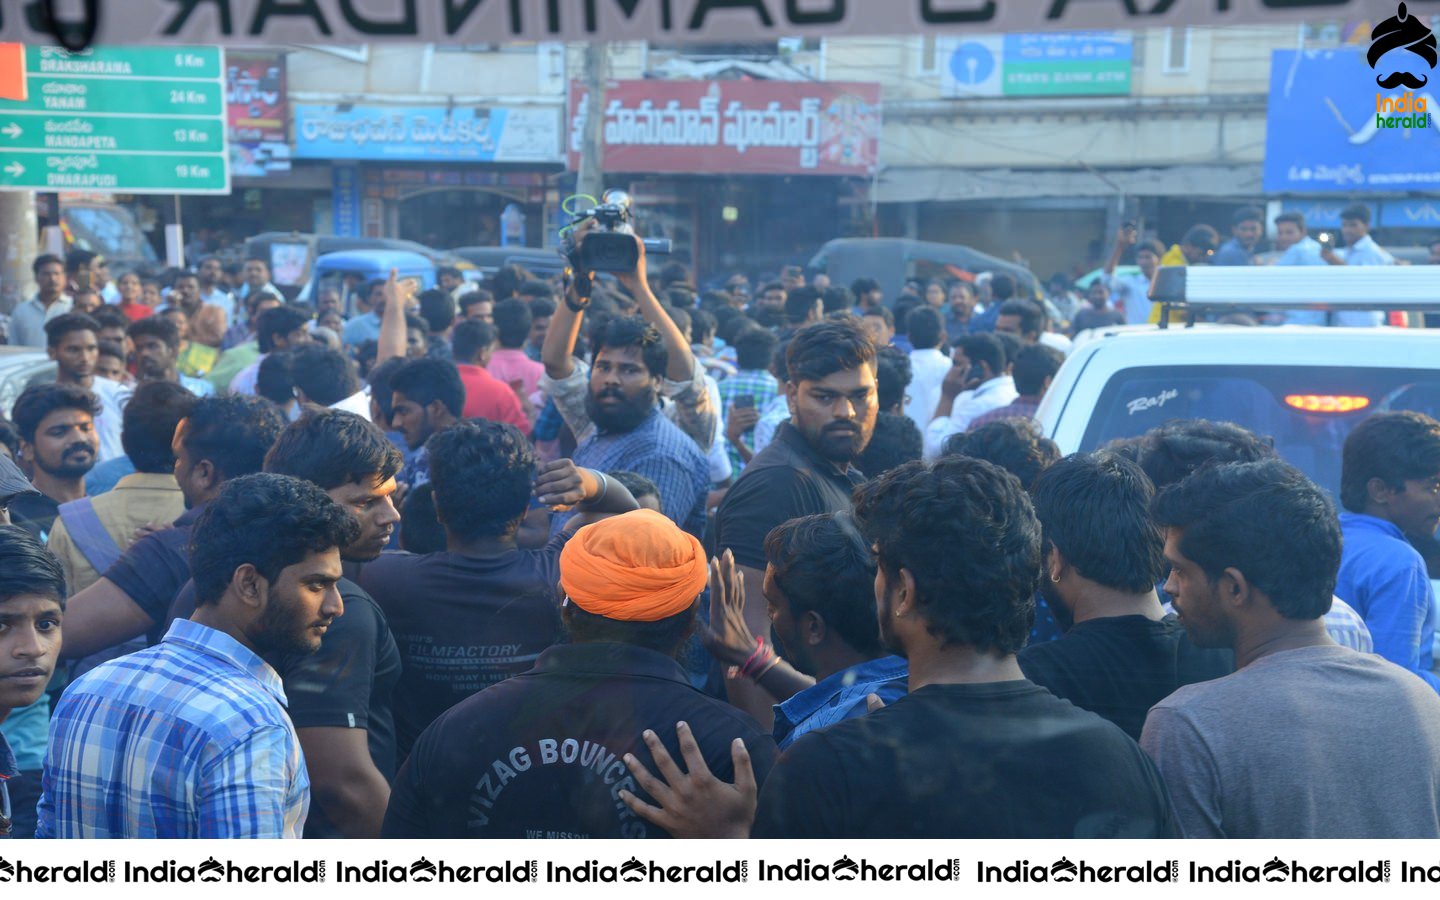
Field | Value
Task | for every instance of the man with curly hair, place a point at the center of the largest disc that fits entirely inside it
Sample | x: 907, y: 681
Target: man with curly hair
x: 484, y: 609
x: 974, y: 750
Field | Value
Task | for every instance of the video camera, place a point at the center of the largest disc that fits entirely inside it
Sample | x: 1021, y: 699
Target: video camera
x: 611, y: 248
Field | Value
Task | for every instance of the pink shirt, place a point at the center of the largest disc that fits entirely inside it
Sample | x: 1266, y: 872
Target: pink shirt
x: 514, y: 365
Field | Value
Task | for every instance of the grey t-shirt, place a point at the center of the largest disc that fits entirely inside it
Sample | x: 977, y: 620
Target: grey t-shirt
x: 1319, y: 742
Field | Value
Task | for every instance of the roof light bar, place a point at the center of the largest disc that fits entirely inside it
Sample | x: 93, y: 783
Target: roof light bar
x: 1324, y: 288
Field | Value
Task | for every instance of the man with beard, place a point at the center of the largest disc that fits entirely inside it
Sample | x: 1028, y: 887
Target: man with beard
x: 72, y: 340
x: 806, y: 470
x: 974, y: 750
x: 157, y: 351
x: 610, y: 404
x: 222, y: 438
x: 1102, y: 555
x: 340, y: 698
x: 58, y: 441
x: 189, y: 739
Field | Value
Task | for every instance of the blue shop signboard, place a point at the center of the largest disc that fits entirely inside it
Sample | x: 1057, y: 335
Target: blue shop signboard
x: 1324, y: 133
x: 428, y: 133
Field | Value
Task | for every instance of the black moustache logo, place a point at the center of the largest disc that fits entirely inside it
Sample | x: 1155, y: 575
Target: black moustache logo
x: 422, y: 870
x: 845, y: 869
x: 632, y: 870
x: 1064, y: 870
x: 210, y: 870
x: 1403, y: 79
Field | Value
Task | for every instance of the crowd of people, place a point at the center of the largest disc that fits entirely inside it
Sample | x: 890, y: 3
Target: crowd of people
x: 620, y: 558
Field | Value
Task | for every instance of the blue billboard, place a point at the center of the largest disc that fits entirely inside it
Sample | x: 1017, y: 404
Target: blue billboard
x: 427, y: 133
x: 1322, y: 134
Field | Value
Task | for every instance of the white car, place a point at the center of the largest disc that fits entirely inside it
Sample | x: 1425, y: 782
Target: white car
x: 1304, y: 387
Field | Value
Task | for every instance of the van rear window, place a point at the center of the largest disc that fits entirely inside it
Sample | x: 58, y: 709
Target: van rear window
x: 1282, y: 403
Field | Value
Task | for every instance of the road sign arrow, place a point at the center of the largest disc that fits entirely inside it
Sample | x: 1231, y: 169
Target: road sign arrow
x: 15, y: 169
x: 13, y: 130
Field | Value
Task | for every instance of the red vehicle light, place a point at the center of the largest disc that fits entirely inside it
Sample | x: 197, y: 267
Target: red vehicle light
x: 1326, y: 403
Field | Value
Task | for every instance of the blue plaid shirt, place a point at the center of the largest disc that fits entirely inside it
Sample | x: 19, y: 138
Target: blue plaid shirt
x: 759, y: 384
x: 188, y: 739
x: 662, y: 453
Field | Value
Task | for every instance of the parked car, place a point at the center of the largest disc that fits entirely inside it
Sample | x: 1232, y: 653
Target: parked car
x: 21, y: 367
x: 891, y: 261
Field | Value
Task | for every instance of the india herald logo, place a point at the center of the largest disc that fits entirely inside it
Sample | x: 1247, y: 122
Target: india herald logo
x: 1402, y: 32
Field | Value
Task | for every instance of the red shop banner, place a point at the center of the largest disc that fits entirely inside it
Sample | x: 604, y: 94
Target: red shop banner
x: 255, y: 97
x: 734, y: 127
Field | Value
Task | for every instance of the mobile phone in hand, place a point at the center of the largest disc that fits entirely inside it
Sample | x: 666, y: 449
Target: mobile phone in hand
x: 745, y: 401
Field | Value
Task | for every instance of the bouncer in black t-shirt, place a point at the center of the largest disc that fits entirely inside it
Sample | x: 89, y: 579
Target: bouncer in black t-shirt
x: 483, y: 609
x: 975, y: 750
x: 543, y: 754
x: 1103, y: 554
x: 808, y: 469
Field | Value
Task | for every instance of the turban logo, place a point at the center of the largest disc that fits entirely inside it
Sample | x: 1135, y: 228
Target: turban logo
x: 638, y: 567
x: 1406, y: 32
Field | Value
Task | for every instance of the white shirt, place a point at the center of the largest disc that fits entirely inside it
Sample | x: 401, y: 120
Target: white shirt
x: 112, y: 396
x: 244, y: 380
x: 1133, y: 293
x: 27, y: 322
x: 928, y: 369
x: 357, y: 403
x: 993, y: 394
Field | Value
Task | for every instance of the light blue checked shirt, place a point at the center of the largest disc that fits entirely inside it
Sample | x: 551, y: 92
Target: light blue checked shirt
x: 757, y: 383
x: 188, y: 739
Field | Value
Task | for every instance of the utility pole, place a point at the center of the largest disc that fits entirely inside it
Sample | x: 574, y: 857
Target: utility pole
x: 18, y: 247
x: 591, y: 177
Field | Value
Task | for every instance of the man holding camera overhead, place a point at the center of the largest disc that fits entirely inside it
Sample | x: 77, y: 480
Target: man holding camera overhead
x: 611, y: 402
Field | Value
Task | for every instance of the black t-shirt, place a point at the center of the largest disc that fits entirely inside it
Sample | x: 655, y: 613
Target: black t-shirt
x: 348, y: 683
x: 154, y: 569
x: 35, y: 513
x: 541, y: 755
x: 463, y: 623
x: 1121, y: 666
x: 784, y: 481
x: 999, y: 760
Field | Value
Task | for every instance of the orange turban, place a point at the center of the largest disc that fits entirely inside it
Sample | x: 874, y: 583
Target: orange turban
x: 639, y: 567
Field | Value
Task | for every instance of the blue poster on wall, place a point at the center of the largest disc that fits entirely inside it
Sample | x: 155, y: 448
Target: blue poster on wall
x: 1324, y: 133
x: 427, y: 133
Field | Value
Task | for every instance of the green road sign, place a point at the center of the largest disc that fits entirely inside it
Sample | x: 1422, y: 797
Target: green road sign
x: 132, y: 120
x: 127, y: 174
x: 128, y: 62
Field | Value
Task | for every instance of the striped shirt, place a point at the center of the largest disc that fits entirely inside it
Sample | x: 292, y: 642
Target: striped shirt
x: 188, y: 739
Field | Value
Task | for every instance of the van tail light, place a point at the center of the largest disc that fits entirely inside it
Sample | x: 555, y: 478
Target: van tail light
x: 1326, y: 403
x: 1398, y: 319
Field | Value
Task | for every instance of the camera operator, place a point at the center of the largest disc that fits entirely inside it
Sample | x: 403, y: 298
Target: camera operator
x: 611, y: 403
